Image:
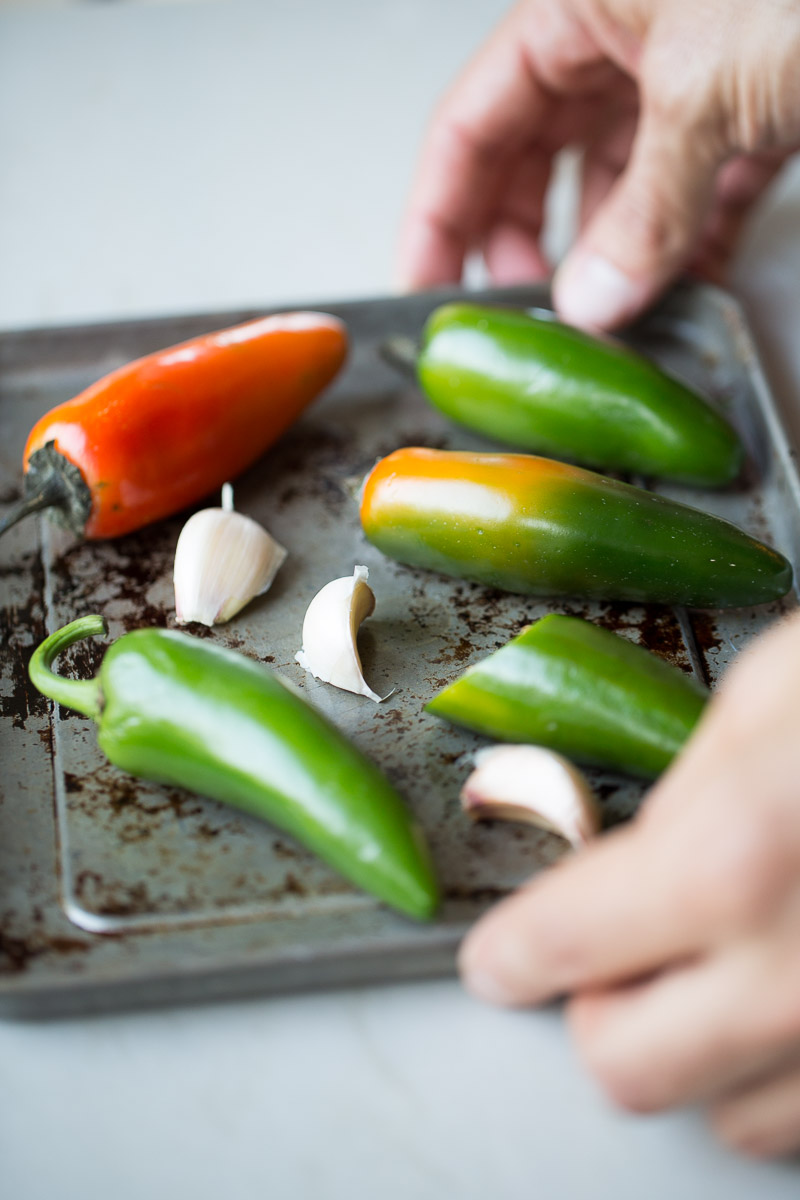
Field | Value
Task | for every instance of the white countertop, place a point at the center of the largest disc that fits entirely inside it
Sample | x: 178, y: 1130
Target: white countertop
x: 184, y: 157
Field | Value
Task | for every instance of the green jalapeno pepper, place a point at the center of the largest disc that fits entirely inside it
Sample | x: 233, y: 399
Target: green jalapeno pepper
x: 180, y: 711
x: 539, y: 385
x: 541, y: 527
x: 587, y: 693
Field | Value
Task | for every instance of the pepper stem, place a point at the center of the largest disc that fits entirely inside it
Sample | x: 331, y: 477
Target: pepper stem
x: 55, y: 483
x: 401, y: 353
x: 51, y: 494
x: 81, y: 694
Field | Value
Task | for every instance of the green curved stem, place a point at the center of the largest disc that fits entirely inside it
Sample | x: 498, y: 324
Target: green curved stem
x: 81, y: 694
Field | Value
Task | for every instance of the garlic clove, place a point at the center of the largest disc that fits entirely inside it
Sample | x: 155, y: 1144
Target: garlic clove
x: 330, y: 629
x: 535, y: 785
x: 223, y: 559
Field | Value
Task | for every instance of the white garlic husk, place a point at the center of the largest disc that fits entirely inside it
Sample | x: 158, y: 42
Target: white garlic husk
x: 534, y: 785
x: 330, y: 629
x: 223, y: 559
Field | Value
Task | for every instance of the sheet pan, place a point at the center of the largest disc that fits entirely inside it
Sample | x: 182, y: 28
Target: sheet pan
x: 115, y: 892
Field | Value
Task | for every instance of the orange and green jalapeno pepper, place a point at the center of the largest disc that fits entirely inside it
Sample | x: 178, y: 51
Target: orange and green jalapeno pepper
x: 539, y: 385
x: 180, y: 711
x: 578, y: 689
x: 541, y: 527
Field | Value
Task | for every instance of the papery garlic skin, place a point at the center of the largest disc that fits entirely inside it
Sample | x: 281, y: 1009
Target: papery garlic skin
x: 223, y: 559
x: 330, y: 629
x: 535, y: 785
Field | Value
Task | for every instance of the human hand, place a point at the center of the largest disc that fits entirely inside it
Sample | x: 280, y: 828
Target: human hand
x: 685, y: 110
x: 677, y: 938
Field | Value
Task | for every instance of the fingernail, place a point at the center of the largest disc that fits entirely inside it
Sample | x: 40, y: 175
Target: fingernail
x: 481, y: 963
x: 591, y: 292
x: 486, y: 988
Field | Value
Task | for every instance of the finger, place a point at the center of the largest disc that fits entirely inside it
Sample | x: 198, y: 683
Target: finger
x: 603, y: 119
x: 740, y: 184
x: 744, y: 748
x: 707, y: 859
x: 511, y: 248
x: 499, y: 106
x: 618, y: 909
x: 694, y: 1032
x: 598, y: 177
x: 644, y: 232
x: 604, y: 160
x: 493, y: 111
x: 764, y: 1119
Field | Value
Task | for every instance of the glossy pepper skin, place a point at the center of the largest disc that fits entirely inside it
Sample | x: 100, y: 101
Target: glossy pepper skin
x: 164, y: 431
x: 536, y: 526
x: 178, y: 710
x: 578, y: 689
x: 539, y: 385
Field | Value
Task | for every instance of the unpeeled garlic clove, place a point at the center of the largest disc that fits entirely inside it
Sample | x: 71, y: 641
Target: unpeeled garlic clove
x: 330, y: 629
x: 223, y: 559
x: 535, y: 785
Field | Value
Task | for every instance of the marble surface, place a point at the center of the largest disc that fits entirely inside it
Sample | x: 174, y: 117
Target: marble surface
x: 181, y: 157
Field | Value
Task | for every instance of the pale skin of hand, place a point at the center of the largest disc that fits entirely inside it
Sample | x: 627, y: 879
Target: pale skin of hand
x: 685, y: 110
x: 674, y: 940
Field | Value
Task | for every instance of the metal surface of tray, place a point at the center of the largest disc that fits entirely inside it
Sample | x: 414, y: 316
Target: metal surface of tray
x: 118, y: 892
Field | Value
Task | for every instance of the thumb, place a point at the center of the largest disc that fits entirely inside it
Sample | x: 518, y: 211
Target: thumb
x: 645, y: 230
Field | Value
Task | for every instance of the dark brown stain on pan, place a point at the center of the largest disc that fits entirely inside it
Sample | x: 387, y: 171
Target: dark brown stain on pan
x: 22, y: 628
x: 18, y: 950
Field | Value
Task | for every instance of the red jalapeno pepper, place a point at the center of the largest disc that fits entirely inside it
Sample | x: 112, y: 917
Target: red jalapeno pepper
x: 164, y: 431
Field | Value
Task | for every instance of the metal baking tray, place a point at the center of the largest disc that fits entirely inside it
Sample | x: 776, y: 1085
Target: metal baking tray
x: 115, y: 892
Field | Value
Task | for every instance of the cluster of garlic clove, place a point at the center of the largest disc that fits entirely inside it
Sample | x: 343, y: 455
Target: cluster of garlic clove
x: 509, y: 782
x: 330, y: 629
x: 223, y: 559
x: 534, y: 785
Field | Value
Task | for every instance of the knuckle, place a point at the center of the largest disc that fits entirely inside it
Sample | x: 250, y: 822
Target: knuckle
x: 558, y: 945
x: 629, y: 1083
x: 765, y: 112
x: 670, y: 99
x: 744, y: 873
x: 741, y: 1127
x: 775, y: 1027
x: 730, y: 1129
x: 628, y: 1088
x: 454, y: 141
x: 654, y: 222
x: 554, y: 932
x: 561, y: 53
x: 676, y: 84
